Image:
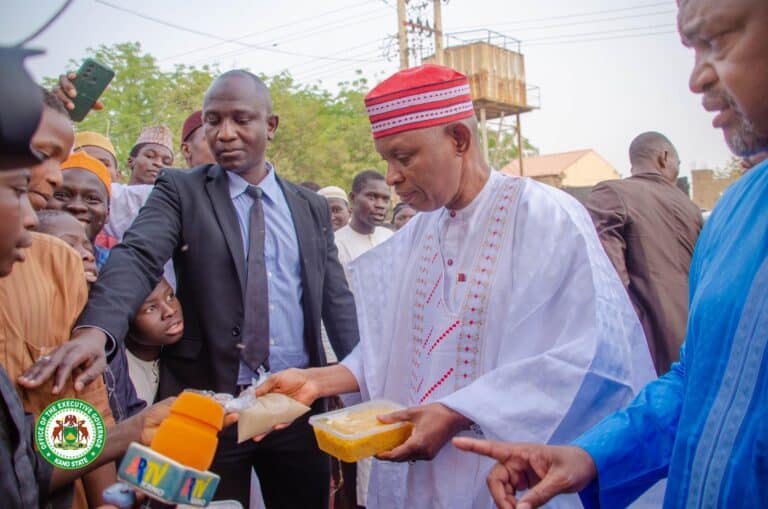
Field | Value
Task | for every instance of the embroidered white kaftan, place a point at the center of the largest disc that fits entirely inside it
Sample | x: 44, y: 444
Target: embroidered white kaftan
x: 507, y: 311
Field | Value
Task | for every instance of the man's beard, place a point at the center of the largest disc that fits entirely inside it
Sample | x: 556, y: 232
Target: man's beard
x: 744, y: 140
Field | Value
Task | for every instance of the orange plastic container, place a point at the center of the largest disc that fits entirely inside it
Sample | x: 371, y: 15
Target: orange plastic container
x: 190, y: 434
x: 354, y: 433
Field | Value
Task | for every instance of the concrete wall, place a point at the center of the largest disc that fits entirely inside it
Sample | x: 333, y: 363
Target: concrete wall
x: 709, y: 187
x: 588, y: 171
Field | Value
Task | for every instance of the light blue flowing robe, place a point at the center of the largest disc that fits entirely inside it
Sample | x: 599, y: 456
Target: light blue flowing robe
x: 704, y: 425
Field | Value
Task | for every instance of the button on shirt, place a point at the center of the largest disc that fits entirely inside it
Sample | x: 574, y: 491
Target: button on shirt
x: 281, y: 254
x: 454, y: 228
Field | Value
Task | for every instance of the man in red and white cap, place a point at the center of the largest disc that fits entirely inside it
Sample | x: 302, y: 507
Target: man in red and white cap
x: 506, y: 318
x: 194, y: 147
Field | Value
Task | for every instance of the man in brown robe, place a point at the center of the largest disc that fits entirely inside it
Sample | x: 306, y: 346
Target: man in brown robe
x: 649, y: 227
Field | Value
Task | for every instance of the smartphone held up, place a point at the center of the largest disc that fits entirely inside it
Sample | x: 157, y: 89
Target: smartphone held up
x: 91, y: 81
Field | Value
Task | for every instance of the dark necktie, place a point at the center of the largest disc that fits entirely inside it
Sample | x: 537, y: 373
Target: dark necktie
x: 256, y: 319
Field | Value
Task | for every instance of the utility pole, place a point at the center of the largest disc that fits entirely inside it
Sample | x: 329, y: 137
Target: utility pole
x: 519, y: 144
x: 438, y: 32
x: 402, y: 35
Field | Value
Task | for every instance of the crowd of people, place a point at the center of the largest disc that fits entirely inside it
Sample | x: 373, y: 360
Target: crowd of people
x: 544, y: 351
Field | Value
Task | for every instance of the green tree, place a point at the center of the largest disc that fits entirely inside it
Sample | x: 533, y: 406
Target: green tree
x: 322, y: 136
x: 731, y: 169
x: 502, y: 147
x: 141, y: 95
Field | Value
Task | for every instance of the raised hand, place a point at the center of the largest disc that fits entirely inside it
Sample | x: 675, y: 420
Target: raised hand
x: 544, y: 470
x: 66, y: 91
x: 82, y: 355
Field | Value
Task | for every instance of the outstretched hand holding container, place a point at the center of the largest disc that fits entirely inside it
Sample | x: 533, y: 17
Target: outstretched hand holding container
x: 349, y: 434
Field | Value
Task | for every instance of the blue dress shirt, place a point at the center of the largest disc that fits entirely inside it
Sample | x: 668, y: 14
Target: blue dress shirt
x: 281, y: 254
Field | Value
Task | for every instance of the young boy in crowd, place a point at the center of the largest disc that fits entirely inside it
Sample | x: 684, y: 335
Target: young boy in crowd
x: 152, y: 151
x: 157, y: 323
x: 99, y: 147
x: 42, y: 298
x: 84, y: 192
x: 65, y: 227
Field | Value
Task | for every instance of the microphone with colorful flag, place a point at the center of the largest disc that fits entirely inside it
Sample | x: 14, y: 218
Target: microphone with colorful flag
x: 174, y: 468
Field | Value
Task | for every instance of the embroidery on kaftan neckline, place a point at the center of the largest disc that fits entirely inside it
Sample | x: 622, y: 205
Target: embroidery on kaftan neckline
x: 470, y: 321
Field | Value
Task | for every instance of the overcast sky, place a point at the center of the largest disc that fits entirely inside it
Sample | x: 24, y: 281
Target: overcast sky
x: 607, y: 69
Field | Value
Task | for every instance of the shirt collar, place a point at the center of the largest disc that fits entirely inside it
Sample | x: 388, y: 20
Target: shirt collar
x: 269, y: 186
x: 468, y: 211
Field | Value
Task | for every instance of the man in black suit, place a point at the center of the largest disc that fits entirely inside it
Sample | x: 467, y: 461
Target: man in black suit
x: 237, y: 233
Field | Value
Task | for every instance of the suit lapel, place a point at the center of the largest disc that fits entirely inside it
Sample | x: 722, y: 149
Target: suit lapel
x: 302, y: 221
x: 217, y: 186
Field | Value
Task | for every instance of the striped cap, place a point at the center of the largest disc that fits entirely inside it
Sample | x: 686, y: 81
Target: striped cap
x: 419, y: 97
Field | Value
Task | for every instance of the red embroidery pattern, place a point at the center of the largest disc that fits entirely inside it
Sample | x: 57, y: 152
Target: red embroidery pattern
x: 480, y: 279
x: 417, y: 318
x: 444, y: 335
x: 437, y: 283
x: 436, y: 385
x: 427, y: 338
x: 463, y: 333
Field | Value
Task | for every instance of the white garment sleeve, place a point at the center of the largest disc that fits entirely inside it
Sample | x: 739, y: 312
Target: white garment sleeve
x: 354, y: 363
x: 124, y: 206
x: 565, y: 356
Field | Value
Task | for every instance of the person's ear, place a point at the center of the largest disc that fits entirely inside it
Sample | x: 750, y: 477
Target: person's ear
x: 185, y: 150
x: 462, y: 137
x: 131, y: 162
x: 272, y: 122
x: 661, y: 160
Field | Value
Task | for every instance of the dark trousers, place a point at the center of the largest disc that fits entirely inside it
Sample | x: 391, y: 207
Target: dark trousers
x: 292, y: 471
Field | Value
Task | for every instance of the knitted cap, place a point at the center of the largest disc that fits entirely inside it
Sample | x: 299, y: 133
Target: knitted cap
x: 333, y: 192
x: 194, y: 121
x: 92, y: 139
x: 156, y: 134
x: 416, y: 98
x: 82, y: 161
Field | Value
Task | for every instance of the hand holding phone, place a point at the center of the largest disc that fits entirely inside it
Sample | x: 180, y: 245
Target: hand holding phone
x: 80, y: 91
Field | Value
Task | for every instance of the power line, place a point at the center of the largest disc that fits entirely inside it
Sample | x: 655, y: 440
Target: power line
x: 238, y: 52
x: 570, y: 16
x: 576, y: 41
x: 313, y: 65
x: 601, y: 32
x: 316, y: 72
x: 335, y: 69
x: 373, y: 53
x: 592, y: 21
x: 356, y: 20
x: 573, y: 23
x: 310, y: 74
x: 326, y: 28
x: 214, y: 36
x: 272, y: 29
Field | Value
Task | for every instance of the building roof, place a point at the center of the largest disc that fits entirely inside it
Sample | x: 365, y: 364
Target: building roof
x: 546, y: 165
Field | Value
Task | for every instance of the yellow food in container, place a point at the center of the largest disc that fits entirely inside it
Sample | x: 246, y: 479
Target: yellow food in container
x: 354, y: 433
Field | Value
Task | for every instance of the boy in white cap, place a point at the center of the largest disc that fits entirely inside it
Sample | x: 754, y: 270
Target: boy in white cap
x: 339, y: 205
